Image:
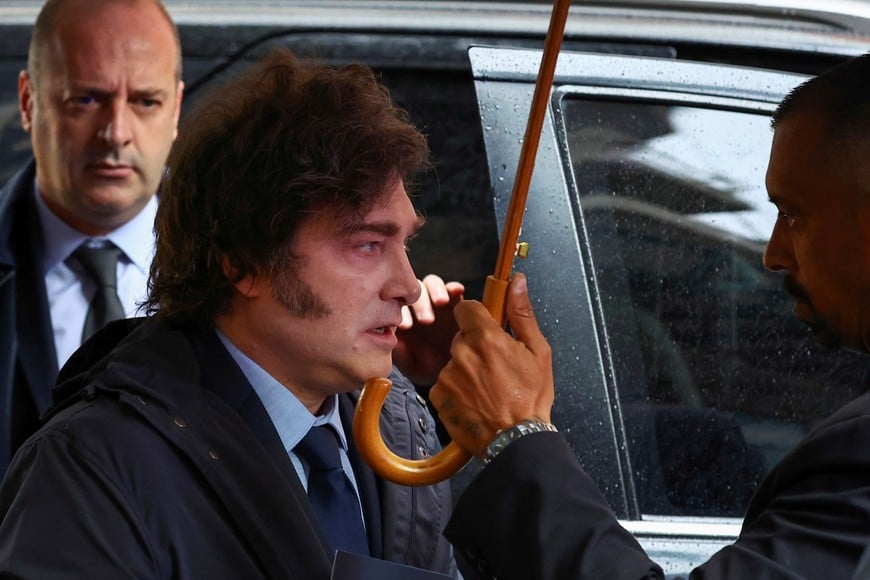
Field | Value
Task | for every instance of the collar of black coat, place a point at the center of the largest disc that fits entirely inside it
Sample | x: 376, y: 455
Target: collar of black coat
x: 140, y: 343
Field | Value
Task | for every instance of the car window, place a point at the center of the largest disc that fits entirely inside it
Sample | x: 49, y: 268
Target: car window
x: 715, y: 380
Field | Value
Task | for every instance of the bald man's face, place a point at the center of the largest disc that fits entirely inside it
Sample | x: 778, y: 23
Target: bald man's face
x: 103, y: 113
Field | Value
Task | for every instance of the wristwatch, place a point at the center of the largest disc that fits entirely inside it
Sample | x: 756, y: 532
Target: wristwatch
x: 507, y: 436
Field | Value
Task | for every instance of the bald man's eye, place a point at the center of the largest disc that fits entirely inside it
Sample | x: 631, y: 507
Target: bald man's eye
x: 82, y: 100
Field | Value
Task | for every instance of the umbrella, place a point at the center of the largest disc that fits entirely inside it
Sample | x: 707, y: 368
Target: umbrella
x: 366, y: 428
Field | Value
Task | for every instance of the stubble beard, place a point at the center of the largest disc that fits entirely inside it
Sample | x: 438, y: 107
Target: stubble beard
x: 817, y: 324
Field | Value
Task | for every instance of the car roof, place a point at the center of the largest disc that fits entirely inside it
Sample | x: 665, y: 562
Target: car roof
x: 837, y: 26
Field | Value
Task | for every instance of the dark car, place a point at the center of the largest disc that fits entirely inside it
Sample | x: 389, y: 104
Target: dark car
x: 681, y: 374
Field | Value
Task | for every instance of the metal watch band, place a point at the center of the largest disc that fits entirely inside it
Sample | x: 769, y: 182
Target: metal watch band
x: 507, y: 436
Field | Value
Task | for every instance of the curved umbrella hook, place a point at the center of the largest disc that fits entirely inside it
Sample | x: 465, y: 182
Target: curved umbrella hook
x: 366, y: 426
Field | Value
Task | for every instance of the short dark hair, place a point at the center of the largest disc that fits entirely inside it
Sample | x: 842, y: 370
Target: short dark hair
x: 842, y: 93
x: 44, y: 32
x: 253, y: 158
x: 840, y: 97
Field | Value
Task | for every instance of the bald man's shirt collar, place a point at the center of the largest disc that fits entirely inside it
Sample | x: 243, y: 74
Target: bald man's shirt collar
x: 70, y: 290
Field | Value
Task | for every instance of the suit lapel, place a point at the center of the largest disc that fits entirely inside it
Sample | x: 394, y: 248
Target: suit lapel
x: 222, y: 376
x: 255, y: 510
x: 36, y: 351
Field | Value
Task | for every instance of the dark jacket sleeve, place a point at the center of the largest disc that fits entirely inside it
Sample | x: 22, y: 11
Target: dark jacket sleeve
x: 810, y: 517
x: 533, y: 514
x: 98, y: 535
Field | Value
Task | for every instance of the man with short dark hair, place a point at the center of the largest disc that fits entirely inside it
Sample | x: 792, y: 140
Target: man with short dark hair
x: 533, y: 513
x: 101, y: 98
x: 211, y: 439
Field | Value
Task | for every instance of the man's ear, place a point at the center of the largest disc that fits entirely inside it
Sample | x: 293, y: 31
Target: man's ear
x: 179, y: 94
x: 250, y: 286
x: 26, y: 100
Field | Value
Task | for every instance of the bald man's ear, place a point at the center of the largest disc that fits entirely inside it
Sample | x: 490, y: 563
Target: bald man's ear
x: 26, y: 100
x: 179, y: 96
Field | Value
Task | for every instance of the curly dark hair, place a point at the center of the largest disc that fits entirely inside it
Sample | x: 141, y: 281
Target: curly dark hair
x: 256, y: 156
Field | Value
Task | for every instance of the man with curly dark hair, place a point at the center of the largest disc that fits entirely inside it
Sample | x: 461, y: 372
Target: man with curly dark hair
x: 185, y: 447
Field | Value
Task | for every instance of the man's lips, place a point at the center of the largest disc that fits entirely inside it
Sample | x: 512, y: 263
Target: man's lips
x: 796, y: 290
x: 803, y: 305
x: 111, y: 170
x: 386, y: 329
x: 386, y: 333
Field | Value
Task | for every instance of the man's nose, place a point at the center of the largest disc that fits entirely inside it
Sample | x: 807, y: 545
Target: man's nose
x: 404, y: 286
x: 778, y: 255
x: 117, y: 126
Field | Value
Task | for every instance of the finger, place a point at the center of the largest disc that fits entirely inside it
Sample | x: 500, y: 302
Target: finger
x: 422, y: 308
x: 455, y: 289
x: 472, y: 316
x: 521, y: 315
x: 437, y: 289
x: 407, y: 319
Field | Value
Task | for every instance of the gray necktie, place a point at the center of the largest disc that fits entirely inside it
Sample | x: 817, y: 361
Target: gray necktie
x: 101, y: 264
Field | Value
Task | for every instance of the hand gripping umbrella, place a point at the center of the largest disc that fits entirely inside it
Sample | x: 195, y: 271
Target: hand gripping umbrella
x: 366, y: 429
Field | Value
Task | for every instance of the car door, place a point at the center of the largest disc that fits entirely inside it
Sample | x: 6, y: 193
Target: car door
x: 681, y: 374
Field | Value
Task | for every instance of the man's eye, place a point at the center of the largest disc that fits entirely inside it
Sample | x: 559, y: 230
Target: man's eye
x: 786, y: 217
x: 82, y: 100
x: 368, y: 247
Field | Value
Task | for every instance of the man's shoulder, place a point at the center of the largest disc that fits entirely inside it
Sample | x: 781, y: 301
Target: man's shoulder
x: 132, y: 365
x: 832, y: 441
x: 831, y: 447
x: 96, y: 432
x: 17, y: 185
x: 853, y: 415
x: 12, y: 191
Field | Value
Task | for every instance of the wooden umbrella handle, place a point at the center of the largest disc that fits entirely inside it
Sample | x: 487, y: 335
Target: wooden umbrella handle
x: 366, y: 422
x: 384, y: 462
x: 367, y: 432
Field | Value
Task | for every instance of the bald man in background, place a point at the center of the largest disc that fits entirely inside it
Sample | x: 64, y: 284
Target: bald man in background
x: 102, y: 112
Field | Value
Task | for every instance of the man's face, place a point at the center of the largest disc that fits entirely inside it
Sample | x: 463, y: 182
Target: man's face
x: 821, y: 239
x: 331, y: 324
x: 103, y: 113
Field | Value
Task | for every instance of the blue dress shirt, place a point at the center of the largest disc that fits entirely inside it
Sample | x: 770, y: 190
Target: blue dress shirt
x: 70, y: 289
x: 291, y: 418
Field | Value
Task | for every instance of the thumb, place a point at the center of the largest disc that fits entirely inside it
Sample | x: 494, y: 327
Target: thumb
x: 521, y: 315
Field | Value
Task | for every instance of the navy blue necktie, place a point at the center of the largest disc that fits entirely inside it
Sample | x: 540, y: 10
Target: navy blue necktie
x: 331, y: 493
x: 101, y: 264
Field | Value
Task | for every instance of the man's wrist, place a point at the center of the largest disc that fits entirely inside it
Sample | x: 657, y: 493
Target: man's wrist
x: 507, y: 436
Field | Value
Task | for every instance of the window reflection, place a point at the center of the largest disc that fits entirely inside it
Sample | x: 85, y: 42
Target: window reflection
x: 716, y: 379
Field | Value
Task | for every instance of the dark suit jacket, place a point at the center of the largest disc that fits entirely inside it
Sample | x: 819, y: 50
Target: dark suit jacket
x: 28, y: 362
x: 162, y: 462
x: 534, y: 514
